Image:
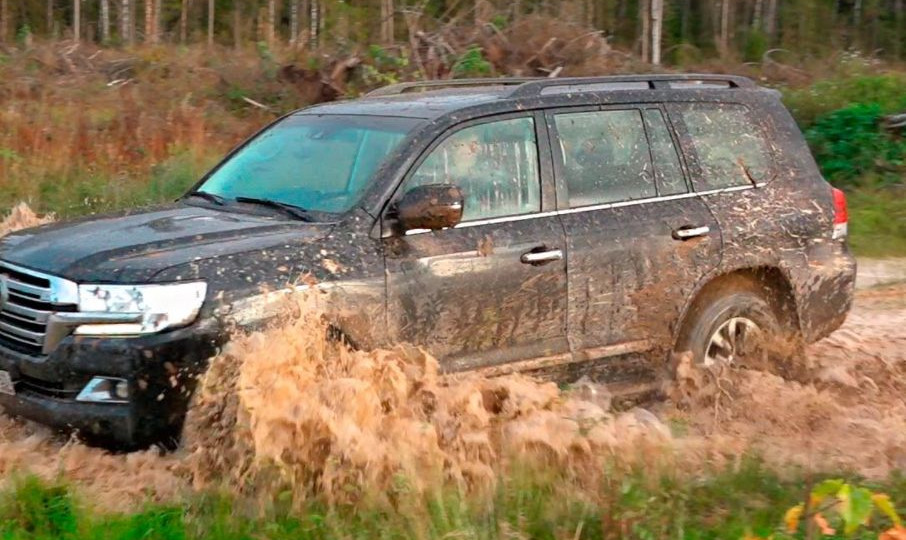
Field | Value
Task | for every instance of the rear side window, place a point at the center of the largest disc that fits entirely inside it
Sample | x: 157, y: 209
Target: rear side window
x: 730, y: 146
x: 604, y: 157
x: 494, y: 164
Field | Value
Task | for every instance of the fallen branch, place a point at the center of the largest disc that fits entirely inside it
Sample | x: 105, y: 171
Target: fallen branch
x: 251, y: 101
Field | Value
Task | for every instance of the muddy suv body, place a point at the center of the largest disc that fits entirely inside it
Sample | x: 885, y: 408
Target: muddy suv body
x: 570, y: 226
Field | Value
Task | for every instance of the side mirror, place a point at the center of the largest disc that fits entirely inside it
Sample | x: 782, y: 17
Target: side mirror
x: 435, y: 206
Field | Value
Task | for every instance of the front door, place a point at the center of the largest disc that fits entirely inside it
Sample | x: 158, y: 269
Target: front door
x: 491, y: 290
x: 639, y: 241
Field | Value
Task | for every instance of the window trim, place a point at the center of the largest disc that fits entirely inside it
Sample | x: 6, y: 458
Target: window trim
x: 687, y: 145
x: 603, y: 206
x: 544, y: 167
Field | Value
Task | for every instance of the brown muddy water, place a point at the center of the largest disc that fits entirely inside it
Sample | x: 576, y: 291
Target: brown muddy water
x: 283, y: 410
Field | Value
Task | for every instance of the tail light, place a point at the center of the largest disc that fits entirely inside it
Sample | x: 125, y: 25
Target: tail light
x: 841, y: 215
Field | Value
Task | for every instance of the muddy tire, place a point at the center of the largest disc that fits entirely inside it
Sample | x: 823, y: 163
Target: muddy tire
x: 733, y: 324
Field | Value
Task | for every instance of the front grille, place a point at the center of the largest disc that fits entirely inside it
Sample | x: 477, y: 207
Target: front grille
x: 28, y: 300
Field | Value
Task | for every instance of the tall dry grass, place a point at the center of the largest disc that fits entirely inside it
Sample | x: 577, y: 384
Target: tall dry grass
x: 92, y: 130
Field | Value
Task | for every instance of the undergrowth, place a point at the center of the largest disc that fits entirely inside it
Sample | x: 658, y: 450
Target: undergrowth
x: 743, y: 499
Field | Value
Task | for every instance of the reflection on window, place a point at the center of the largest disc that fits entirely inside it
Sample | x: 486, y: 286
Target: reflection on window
x: 605, y: 157
x: 731, y: 149
x: 322, y: 163
x: 667, y: 170
x: 495, y: 165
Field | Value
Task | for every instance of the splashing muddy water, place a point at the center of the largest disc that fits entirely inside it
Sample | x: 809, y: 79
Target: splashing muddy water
x: 285, y: 410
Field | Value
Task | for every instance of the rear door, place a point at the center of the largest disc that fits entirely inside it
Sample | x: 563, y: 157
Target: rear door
x: 638, y: 239
x: 491, y: 290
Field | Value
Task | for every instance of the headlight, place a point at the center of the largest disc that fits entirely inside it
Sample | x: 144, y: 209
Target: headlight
x: 153, y: 307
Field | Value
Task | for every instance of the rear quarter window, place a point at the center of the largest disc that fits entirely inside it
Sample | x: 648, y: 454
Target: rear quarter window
x: 730, y: 147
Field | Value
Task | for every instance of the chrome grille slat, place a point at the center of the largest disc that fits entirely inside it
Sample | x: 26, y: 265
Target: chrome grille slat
x: 31, y: 297
x: 35, y: 315
x: 14, y: 337
x: 15, y: 318
x: 7, y: 328
x: 27, y: 290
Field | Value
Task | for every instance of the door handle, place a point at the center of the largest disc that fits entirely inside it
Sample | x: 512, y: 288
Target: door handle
x: 541, y: 257
x: 685, y: 233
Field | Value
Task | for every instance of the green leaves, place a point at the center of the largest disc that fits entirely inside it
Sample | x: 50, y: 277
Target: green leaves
x: 836, y: 501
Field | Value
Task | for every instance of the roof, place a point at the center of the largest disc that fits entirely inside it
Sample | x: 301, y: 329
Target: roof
x: 431, y: 99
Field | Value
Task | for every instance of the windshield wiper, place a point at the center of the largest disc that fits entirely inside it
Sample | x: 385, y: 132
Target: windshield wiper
x: 216, y: 199
x: 293, y: 210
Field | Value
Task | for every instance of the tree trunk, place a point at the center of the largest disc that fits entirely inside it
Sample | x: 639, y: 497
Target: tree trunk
x: 237, y: 25
x: 770, y: 19
x: 105, y: 21
x: 158, y: 20
x: 210, y: 23
x: 314, y: 22
x: 149, y: 21
x: 657, y: 18
x: 387, y: 29
x: 271, y: 22
x: 49, y: 21
x: 76, y: 19
x: 4, y: 20
x: 183, y: 21
x: 725, y: 27
x: 293, y: 22
x: 900, y: 17
x: 645, y: 19
x: 757, y: 21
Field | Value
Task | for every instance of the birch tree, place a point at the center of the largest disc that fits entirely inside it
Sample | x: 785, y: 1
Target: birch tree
x: 105, y: 20
x: 270, y: 29
x: 149, y: 21
x: 126, y: 21
x: 293, y: 22
x: 657, y: 18
x: 76, y: 19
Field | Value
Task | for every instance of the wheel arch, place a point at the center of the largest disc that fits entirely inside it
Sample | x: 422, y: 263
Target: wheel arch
x: 770, y: 282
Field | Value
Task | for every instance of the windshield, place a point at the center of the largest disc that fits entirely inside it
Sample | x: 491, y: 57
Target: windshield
x: 321, y: 163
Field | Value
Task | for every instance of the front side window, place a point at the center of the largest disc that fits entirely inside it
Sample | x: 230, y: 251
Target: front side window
x: 604, y: 157
x: 494, y: 164
x: 731, y: 148
x: 322, y: 163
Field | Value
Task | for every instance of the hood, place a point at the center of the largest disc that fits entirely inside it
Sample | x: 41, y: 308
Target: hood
x: 134, y: 247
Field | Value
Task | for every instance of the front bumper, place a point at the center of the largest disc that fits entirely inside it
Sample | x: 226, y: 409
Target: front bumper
x: 161, y: 371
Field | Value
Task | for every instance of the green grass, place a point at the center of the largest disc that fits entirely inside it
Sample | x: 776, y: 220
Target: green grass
x: 748, y: 499
x: 877, y: 221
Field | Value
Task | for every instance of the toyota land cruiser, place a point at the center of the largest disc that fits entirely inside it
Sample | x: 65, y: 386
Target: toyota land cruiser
x: 514, y: 224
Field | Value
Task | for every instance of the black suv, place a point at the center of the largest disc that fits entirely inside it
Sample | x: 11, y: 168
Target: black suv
x: 515, y: 224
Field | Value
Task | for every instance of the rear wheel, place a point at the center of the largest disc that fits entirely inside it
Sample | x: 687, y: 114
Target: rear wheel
x: 731, y: 325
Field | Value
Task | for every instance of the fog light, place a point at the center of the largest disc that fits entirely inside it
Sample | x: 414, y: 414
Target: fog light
x: 105, y: 390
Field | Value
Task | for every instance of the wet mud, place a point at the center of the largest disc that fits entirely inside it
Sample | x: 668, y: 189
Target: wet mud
x: 285, y: 410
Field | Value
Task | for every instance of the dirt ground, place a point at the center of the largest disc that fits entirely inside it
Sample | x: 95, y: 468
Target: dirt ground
x: 286, y: 407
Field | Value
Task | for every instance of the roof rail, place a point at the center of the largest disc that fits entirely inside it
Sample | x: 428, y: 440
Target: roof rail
x: 401, y: 88
x: 537, y: 87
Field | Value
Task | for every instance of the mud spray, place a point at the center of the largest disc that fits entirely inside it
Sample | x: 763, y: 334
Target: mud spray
x: 285, y: 411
